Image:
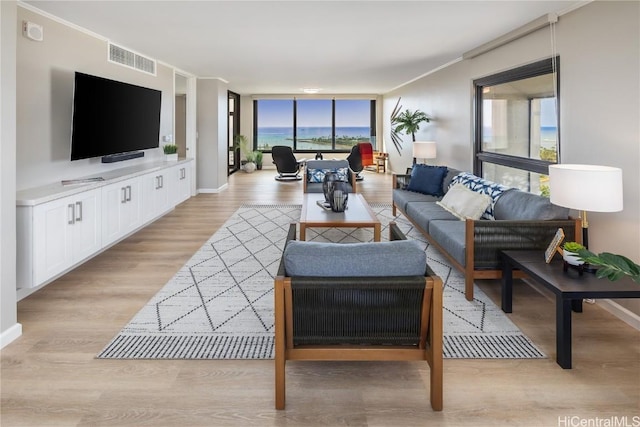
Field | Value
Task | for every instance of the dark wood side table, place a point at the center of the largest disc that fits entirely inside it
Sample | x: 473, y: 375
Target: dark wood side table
x: 568, y: 287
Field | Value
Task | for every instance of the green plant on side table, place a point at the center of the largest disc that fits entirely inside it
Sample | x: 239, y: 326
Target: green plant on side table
x: 611, y: 266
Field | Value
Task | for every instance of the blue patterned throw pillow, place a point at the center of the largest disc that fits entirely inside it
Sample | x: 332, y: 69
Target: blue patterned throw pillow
x: 317, y: 175
x: 483, y: 186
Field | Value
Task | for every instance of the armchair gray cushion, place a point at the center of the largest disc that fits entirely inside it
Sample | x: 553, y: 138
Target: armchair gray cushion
x: 396, y: 258
x: 315, y: 170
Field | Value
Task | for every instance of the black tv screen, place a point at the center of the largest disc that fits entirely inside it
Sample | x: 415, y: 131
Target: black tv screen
x: 111, y: 117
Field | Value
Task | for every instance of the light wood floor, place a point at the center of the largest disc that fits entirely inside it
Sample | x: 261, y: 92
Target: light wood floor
x: 51, y: 378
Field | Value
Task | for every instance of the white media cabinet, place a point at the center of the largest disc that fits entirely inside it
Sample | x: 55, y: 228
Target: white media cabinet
x: 61, y: 226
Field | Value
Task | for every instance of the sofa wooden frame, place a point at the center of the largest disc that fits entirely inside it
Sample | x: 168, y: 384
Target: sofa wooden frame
x: 480, y: 244
x: 428, y: 348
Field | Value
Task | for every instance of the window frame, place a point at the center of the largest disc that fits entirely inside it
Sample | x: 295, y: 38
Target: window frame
x: 372, y: 122
x: 535, y: 69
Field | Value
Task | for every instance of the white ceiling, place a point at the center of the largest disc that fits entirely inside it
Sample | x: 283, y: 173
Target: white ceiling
x: 280, y: 47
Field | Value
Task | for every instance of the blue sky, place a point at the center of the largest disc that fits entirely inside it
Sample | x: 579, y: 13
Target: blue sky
x: 548, y: 112
x: 313, y: 112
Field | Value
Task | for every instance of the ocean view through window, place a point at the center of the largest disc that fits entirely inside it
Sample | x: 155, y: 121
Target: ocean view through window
x: 311, y: 125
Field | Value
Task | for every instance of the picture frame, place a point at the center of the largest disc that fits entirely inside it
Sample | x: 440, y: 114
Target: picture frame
x: 554, y: 245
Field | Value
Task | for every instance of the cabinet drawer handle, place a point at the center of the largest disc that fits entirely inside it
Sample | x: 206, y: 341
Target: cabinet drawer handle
x: 71, y: 209
x: 79, y: 217
x: 183, y: 173
x: 157, y: 182
x: 161, y: 181
x: 124, y: 195
x: 128, y: 193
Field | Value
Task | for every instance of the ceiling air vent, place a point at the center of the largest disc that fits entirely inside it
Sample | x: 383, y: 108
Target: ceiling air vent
x: 122, y: 56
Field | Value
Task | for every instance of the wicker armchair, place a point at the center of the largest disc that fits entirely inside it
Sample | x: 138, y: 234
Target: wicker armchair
x: 359, y: 318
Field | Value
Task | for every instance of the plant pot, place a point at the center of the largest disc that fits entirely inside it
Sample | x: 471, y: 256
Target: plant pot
x: 259, y: 167
x: 249, y: 167
x: 571, y: 258
x: 171, y: 157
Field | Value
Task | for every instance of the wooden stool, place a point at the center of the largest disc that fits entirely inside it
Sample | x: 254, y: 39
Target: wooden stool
x: 381, y: 163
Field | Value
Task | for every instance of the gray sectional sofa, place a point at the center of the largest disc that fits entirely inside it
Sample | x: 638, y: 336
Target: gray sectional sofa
x: 513, y: 220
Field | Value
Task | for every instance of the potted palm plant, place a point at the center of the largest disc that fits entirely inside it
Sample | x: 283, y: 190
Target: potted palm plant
x: 258, y: 159
x: 408, y: 122
x: 246, y: 150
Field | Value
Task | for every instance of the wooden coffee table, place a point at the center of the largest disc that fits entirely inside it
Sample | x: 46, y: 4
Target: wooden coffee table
x: 358, y: 214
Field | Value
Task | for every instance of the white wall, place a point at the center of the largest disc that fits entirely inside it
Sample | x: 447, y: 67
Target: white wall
x: 599, y: 48
x: 212, y: 135
x: 45, y: 95
x: 36, y: 91
x: 9, y: 328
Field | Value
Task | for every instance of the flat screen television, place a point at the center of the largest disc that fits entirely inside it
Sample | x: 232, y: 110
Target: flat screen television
x: 112, y: 117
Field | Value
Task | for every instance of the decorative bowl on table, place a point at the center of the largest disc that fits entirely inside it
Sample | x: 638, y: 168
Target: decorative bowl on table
x: 571, y: 258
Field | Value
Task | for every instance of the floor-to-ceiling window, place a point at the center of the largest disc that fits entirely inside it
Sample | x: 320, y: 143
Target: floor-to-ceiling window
x: 517, y: 133
x: 310, y: 125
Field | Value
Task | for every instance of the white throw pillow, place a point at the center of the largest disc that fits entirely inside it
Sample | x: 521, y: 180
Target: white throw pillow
x: 465, y: 203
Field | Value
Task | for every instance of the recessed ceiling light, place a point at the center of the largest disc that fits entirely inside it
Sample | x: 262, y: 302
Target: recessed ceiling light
x: 311, y: 90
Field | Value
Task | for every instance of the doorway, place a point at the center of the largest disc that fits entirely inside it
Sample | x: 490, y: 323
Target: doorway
x: 180, y: 114
x: 184, y: 121
x: 234, y: 131
x: 181, y: 124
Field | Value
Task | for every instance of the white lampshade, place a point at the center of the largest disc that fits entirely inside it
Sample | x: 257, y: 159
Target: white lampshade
x: 424, y: 149
x: 586, y: 187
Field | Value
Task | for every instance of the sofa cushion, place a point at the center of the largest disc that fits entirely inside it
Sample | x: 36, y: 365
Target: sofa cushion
x: 520, y: 205
x: 396, y: 258
x: 483, y: 186
x: 427, y: 179
x: 450, y: 235
x: 403, y: 197
x: 423, y: 212
x: 446, y: 182
x: 465, y: 203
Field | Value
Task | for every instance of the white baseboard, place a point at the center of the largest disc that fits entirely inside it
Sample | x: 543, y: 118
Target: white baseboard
x: 10, y: 335
x: 622, y: 313
x: 212, y: 190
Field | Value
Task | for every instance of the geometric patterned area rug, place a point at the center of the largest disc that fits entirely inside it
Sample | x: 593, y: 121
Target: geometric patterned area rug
x: 220, y: 304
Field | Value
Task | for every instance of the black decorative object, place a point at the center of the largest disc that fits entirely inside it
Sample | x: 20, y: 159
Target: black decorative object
x: 338, y: 196
x: 327, y: 184
x: 318, y: 156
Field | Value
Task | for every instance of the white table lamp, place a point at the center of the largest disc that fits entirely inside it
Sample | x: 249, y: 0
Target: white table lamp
x: 424, y: 150
x: 586, y: 188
